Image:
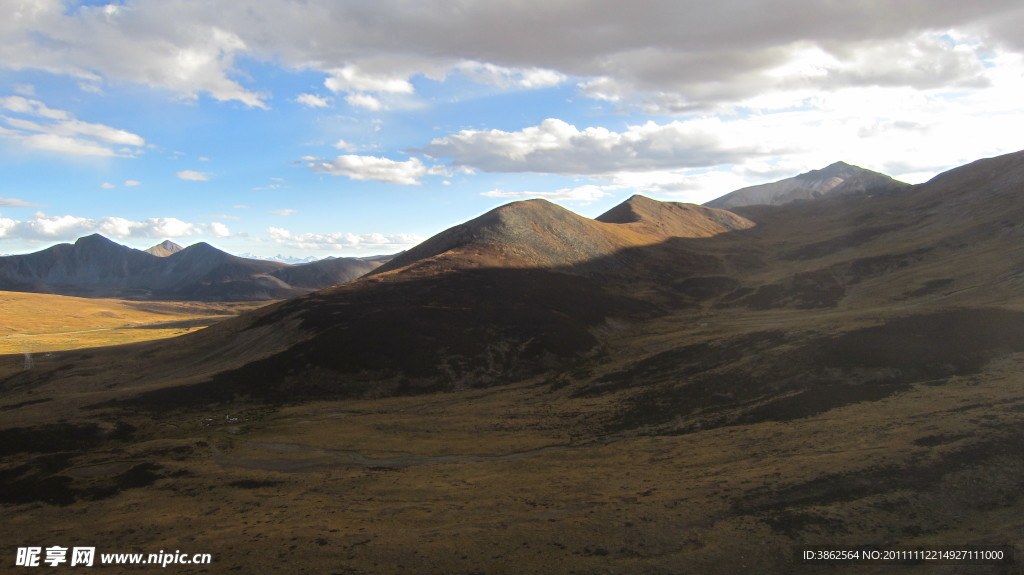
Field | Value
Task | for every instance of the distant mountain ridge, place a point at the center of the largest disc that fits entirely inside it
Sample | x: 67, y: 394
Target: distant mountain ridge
x: 95, y: 266
x: 837, y: 179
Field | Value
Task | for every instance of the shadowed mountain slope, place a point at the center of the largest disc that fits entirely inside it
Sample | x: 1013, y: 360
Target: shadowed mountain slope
x: 327, y: 272
x: 838, y: 179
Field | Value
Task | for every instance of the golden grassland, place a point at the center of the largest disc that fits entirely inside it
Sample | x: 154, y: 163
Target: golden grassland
x: 31, y: 322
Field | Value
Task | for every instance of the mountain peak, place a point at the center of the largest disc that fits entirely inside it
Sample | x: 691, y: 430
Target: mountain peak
x: 200, y: 248
x: 93, y: 240
x: 164, y: 249
x: 629, y: 211
x: 839, y: 178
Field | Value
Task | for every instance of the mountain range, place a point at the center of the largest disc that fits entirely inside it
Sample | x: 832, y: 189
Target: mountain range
x: 94, y: 266
x: 664, y: 388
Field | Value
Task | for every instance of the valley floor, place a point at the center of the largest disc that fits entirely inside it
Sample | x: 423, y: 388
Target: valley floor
x: 533, y: 477
x: 40, y: 323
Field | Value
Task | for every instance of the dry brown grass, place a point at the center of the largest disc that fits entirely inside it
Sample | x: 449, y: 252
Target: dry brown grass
x: 34, y: 322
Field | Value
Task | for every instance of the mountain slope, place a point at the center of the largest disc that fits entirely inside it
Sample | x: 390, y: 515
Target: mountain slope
x: 96, y: 267
x: 538, y: 233
x: 327, y: 272
x: 837, y: 179
x: 92, y: 263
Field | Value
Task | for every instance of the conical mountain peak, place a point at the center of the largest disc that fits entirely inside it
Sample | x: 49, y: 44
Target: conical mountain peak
x: 164, y: 249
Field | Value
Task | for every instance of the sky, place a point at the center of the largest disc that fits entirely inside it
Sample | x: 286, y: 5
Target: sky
x: 355, y: 128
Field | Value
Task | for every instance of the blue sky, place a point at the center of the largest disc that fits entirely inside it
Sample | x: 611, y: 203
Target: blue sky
x: 354, y: 128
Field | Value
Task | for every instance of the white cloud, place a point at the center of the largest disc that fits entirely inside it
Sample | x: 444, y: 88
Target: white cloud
x: 48, y: 129
x: 344, y: 241
x: 175, y: 46
x: 285, y: 212
x: 118, y: 227
x: 42, y: 226
x: 364, y: 101
x: 7, y: 226
x: 405, y: 173
x: 313, y: 101
x: 169, y: 228
x: 65, y: 145
x: 31, y: 107
x: 353, y: 79
x: 193, y: 176
x: 560, y: 148
x: 67, y: 227
x: 132, y: 183
x: 107, y: 186
x: 505, y: 77
x: 219, y: 230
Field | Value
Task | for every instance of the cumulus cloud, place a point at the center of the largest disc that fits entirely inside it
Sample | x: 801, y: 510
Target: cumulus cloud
x: 35, y: 125
x: 68, y: 227
x: 406, y: 173
x: 193, y: 175
x: 344, y: 241
x: 219, y: 230
x: 132, y: 183
x: 107, y: 186
x: 557, y: 147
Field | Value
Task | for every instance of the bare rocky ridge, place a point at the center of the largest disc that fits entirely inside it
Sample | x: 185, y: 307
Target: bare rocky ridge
x: 837, y: 179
